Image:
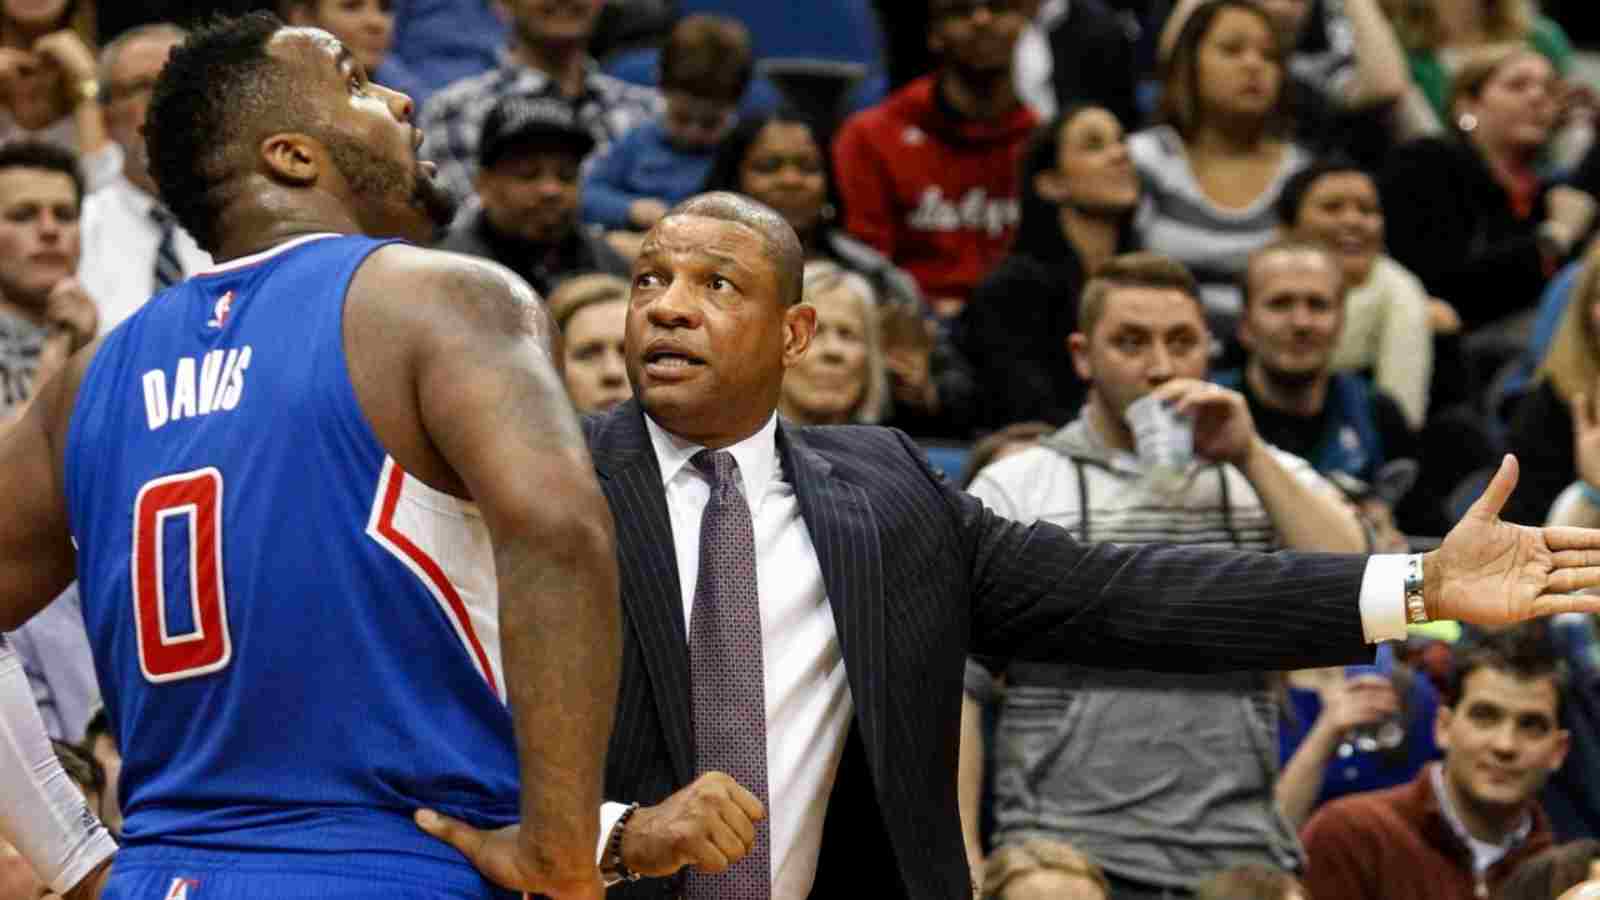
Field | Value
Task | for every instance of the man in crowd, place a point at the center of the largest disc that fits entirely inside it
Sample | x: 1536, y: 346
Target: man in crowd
x: 1461, y: 826
x: 133, y: 248
x: 547, y: 57
x: 799, y: 601
x: 528, y: 158
x: 1293, y: 311
x: 1156, y: 790
x: 338, y: 538
x: 929, y: 176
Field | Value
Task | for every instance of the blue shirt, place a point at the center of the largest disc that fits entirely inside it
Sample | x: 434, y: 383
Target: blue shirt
x: 643, y: 164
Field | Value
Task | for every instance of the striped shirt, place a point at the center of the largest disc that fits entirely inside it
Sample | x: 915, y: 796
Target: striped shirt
x: 452, y: 121
x: 1177, y: 219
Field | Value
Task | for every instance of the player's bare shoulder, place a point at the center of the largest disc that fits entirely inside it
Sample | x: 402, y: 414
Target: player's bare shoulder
x: 445, y: 295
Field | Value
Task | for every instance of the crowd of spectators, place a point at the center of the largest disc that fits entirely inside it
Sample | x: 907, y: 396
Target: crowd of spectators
x: 1370, y: 223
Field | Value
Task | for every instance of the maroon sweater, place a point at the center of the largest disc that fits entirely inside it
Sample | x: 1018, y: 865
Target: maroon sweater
x: 1395, y: 844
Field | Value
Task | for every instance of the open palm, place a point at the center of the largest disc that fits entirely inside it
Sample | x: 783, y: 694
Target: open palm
x: 1491, y: 572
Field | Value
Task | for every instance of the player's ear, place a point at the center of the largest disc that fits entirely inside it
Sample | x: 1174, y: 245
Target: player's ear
x: 291, y: 157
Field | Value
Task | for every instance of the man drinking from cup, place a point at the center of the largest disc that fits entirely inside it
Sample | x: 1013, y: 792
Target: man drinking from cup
x: 1156, y: 455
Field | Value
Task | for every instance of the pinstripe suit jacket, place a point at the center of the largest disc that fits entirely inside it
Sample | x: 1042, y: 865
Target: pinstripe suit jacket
x: 918, y: 575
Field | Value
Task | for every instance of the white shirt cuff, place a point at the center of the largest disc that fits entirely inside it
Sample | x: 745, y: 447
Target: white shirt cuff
x: 609, y: 814
x: 1383, y: 597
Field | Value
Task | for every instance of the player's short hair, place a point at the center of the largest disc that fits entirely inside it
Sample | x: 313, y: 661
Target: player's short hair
x: 99, y: 723
x: 782, y: 245
x: 707, y: 56
x: 220, y: 88
x: 30, y: 154
x: 1133, y: 270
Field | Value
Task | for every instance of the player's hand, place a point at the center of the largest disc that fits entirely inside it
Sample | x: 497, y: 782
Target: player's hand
x: 1490, y: 572
x: 508, y: 859
x: 710, y: 825
x: 68, y: 53
x: 1223, y: 428
x: 71, y: 310
x: 92, y: 884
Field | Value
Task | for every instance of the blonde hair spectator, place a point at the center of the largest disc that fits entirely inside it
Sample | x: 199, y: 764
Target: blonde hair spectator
x: 1251, y: 883
x: 591, y: 311
x: 1572, y: 364
x: 1009, y: 869
x: 847, y: 341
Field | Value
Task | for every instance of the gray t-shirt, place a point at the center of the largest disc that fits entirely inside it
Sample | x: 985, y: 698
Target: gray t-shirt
x: 20, y: 343
x: 1163, y: 778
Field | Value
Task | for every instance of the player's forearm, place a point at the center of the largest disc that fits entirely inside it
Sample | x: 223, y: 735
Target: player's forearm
x: 1305, y: 518
x: 561, y: 638
x: 42, y: 813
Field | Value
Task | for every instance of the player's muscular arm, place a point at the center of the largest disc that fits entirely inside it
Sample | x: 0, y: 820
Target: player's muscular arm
x: 488, y: 397
x: 36, y: 555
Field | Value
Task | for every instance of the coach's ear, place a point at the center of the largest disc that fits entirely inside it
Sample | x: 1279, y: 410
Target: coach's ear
x: 292, y: 157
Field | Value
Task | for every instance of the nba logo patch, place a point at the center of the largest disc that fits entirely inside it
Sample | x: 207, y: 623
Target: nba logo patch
x: 180, y: 889
x: 219, y: 313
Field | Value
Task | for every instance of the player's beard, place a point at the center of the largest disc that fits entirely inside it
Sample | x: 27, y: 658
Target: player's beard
x: 372, y: 176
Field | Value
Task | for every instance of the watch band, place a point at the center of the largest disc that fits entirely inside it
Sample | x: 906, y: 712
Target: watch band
x: 612, y: 869
x: 1416, y: 606
x: 89, y: 90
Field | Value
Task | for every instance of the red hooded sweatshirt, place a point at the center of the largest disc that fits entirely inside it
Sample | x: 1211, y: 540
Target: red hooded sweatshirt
x: 935, y: 192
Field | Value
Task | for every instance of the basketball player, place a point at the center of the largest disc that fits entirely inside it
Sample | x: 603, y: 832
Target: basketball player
x: 341, y: 550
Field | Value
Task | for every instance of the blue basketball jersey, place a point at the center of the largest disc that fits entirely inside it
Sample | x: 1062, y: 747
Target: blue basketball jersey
x: 297, y: 641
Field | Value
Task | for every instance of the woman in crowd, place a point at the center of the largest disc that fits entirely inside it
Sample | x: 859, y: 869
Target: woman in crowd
x: 591, y: 311
x: 1079, y: 192
x: 1468, y: 212
x: 48, y: 85
x: 1214, y: 167
x: 1439, y: 34
x: 1388, y: 330
x: 1553, y: 431
x: 779, y: 161
x: 367, y: 28
x: 842, y: 377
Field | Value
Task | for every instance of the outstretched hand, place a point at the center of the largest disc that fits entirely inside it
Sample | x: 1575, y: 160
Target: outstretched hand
x: 1491, y: 572
x: 502, y: 857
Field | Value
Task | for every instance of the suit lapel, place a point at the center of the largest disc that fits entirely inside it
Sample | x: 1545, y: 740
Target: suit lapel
x: 648, y: 563
x: 844, y: 532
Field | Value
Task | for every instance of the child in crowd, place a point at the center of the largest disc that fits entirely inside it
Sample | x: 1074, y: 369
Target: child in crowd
x: 705, y: 68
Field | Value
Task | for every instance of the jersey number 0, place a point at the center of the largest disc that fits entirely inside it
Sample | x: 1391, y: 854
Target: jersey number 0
x: 191, y: 499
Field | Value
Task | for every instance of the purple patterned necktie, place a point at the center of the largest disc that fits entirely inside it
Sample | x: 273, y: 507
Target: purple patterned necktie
x: 728, y: 695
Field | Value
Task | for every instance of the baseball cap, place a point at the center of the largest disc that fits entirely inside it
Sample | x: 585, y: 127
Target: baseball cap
x: 524, y: 121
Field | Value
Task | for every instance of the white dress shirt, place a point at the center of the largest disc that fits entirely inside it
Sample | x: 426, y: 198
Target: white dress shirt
x: 807, y: 698
x: 120, y: 242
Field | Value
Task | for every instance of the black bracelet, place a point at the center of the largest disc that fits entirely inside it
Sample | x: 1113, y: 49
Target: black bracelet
x: 615, y: 869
